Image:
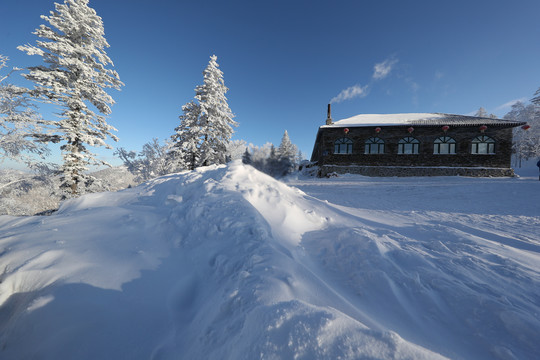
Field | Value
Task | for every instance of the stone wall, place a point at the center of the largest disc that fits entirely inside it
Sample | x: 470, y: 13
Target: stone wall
x: 326, y: 170
x: 391, y: 135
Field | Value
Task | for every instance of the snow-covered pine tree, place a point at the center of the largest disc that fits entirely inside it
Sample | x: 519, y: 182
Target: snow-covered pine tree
x: 287, y: 154
x: 287, y: 149
x: 216, y: 118
x: 75, y: 75
x: 184, y: 151
x: 19, y: 123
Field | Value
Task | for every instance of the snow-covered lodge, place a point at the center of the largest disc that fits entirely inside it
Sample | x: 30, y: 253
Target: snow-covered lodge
x: 430, y: 144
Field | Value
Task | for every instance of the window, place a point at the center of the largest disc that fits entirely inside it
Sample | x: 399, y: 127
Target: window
x: 343, y: 146
x: 408, y: 145
x: 444, y: 145
x: 483, y: 145
x: 374, y: 145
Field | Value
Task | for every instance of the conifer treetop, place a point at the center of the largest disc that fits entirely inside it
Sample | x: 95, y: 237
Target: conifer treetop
x: 216, y: 118
x: 74, y: 49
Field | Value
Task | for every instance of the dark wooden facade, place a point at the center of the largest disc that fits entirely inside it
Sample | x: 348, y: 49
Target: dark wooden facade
x: 462, y: 129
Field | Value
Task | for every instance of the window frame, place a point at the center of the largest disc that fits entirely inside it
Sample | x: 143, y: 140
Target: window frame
x: 448, y: 142
x: 483, y: 140
x: 372, y: 143
x: 413, y: 142
x: 343, y: 142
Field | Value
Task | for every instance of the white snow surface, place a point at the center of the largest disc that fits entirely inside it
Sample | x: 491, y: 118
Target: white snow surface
x: 225, y: 262
x: 385, y: 119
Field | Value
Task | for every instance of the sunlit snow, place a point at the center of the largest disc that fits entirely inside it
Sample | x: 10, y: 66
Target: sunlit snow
x: 225, y: 262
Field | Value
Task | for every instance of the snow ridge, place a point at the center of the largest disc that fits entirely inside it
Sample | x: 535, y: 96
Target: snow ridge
x: 224, y: 262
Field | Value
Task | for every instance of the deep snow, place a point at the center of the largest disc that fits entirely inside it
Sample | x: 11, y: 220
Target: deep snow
x: 228, y: 263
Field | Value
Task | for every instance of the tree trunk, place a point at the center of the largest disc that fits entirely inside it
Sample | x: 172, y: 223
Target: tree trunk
x: 74, y: 185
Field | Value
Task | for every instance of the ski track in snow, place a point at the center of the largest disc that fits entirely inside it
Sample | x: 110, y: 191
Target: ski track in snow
x: 225, y: 262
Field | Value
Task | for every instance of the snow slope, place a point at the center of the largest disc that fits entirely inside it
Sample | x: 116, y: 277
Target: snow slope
x: 228, y: 263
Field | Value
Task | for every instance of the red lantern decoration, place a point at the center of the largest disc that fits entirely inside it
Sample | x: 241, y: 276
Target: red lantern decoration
x: 526, y: 127
x: 377, y: 130
x: 346, y: 130
x: 483, y: 128
x: 410, y: 130
x: 445, y: 128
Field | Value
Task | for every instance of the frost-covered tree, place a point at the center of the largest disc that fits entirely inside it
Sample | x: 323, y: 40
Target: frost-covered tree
x: 236, y: 149
x: 286, y: 153
x: 216, y: 118
x: 74, y: 76
x: 287, y: 149
x: 205, y: 130
x: 20, y: 124
x: 246, y: 157
x: 184, y: 151
x: 257, y: 156
x: 272, y: 164
x: 526, y: 142
x: 152, y: 161
x: 268, y: 159
x: 483, y: 113
x: 299, y: 158
x: 536, y: 98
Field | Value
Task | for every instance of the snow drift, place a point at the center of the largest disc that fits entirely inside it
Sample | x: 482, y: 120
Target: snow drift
x: 227, y: 263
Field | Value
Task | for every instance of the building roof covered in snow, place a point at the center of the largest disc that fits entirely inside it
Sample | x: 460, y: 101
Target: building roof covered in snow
x: 420, y: 119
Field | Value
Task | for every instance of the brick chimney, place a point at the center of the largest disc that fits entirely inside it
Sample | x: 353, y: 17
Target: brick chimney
x: 329, y: 116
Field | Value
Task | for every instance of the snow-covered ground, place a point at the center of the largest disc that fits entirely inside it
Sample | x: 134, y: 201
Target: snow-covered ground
x: 228, y: 263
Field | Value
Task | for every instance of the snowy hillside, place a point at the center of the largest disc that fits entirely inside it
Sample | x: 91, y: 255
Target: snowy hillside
x: 24, y: 193
x: 228, y: 263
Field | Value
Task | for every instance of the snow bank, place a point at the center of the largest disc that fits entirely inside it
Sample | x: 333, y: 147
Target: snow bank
x: 227, y: 263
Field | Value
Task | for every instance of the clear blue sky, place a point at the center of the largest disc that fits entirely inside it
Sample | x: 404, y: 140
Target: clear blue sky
x: 283, y: 61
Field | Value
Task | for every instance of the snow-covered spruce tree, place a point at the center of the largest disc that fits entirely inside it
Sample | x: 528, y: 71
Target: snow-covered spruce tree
x: 286, y: 154
x: 287, y: 149
x: 215, y: 118
x: 75, y: 76
x: 19, y: 123
x: 185, y: 142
